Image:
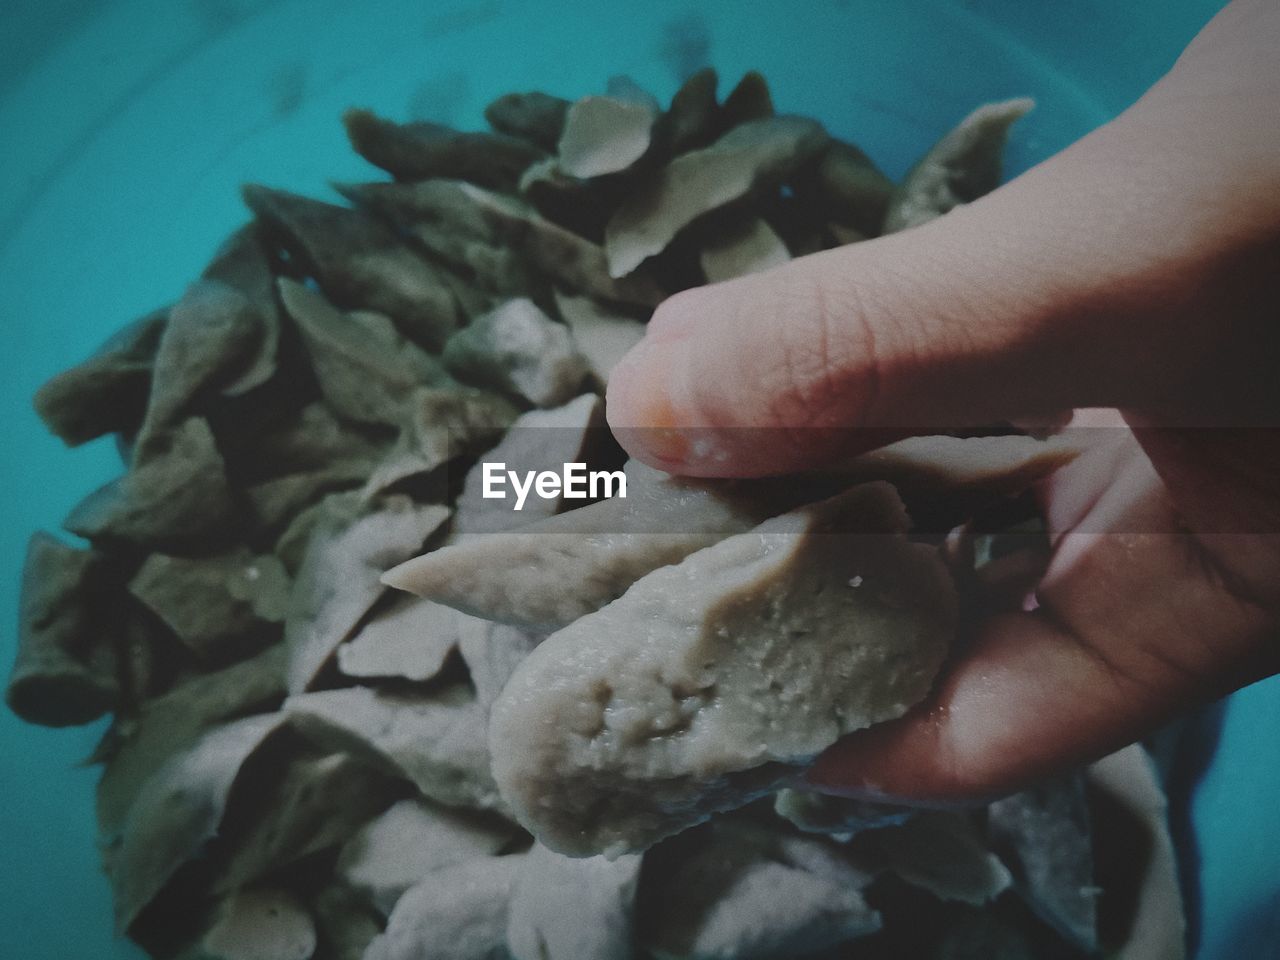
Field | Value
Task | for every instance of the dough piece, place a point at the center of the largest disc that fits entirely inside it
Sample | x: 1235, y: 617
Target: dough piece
x: 107, y: 392
x: 492, y: 651
x: 359, y: 262
x: 958, y: 169
x: 458, y: 913
x: 241, y: 263
x: 749, y: 100
x: 366, y: 369
x: 750, y: 247
x: 604, y: 135
x: 942, y: 852
x: 212, y: 337
x: 436, y: 740
x: 573, y: 909
x: 212, y: 603
x: 440, y: 425
x: 690, y: 121
x: 547, y: 574
x: 536, y: 117
x: 711, y: 682
x: 521, y: 351
x: 339, y: 578
x: 496, y: 236
x: 1000, y: 464
x: 66, y: 671
x: 308, y: 804
x: 700, y: 181
x: 411, y: 841
x: 174, y: 496
x: 422, y: 150
x: 603, y: 337
x: 168, y: 725
x: 539, y: 440
x: 852, y: 190
x: 839, y: 817
x: 410, y: 638
x: 1156, y: 930
x: 265, y: 923
x: 1044, y: 836
x: 734, y: 891
x: 177, y: 811
x: 345, y: 926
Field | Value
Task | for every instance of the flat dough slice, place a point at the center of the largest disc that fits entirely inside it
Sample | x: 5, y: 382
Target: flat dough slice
x: 546, y: 574
x: 710, y: 682
x: 436, y: 741
x: 458, y: 913
x: 570, y: 909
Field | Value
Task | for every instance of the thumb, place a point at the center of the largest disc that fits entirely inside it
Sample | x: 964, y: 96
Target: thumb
x: 1078, y: 284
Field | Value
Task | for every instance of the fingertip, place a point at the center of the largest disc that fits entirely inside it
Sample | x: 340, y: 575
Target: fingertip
x: 639, y: 406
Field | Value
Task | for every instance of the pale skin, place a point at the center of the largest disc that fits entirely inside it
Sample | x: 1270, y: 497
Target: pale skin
x: 1138, y: 270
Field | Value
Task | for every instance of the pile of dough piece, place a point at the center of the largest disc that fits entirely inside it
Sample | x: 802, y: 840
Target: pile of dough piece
x: 574, y: 734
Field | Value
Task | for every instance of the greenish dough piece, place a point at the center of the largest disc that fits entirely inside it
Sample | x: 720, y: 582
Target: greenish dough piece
x: 500, y: 238
x: 750, y: 247
x: 439, y: 426
x: 422, y: 150
x: 535, y: 116
x: 241, y: 263
x: 520, y: 351
x: 603, y: 335
x: 365, y: 368
x: 458, y: 913
x: 710, y: 683
x: 604, y: 135
x: 312, y: 803
x: 739, y: 163
x: 212, y: 336
x: 166, y: 726
x: 345, y: 925
x: 569, y: 909
x: 177, y: 811
x: 548, y: 573
x: 264, y: 923
x: 958, y: 169
x: 735, y: 891
x: 174, y: 496
x: 539, y: 440
x: 435, y: 740
x: 66, y: 670
x: 411, y: 841
x: 360, y: 263
x: 338, y: 581
x: 749, y: 100
x: 690, y: 121
x: 853, y: 190
x: 107, y: 393
x: 212, y: 604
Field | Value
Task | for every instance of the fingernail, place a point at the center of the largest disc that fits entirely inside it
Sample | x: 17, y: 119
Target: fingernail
x: 640, y: 408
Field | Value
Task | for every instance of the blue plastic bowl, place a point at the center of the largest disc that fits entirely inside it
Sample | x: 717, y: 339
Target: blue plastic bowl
x: 128, y: 127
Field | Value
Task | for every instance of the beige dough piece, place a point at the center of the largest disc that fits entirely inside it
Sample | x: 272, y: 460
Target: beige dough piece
x: 436, y: 740
x: 570, y: 909
x: 709, y: 683
x: 547, y: 574
x: 410, y: 638
x: 458, y: 913
x: 412, y: 840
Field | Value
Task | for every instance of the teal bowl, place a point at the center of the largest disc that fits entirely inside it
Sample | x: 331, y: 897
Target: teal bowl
x: 129, y: 125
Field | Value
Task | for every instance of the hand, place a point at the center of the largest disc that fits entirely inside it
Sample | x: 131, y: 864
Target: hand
x: 1137, y: 270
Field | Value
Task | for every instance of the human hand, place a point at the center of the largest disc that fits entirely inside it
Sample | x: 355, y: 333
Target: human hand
x: 1139, y: 270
